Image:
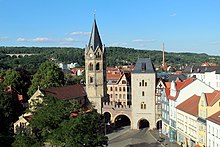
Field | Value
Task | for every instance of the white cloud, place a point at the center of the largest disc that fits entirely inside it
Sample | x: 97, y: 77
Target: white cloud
x: 38, y: 39
x: 22, y: 40
x: 41, y: 39
x: 47, y: 40
x: 173, y: 14
x: 116, y: 44
x: 80, y: 33
x: 143, y: 41
x: 3, y: 38
x: 215, y: 42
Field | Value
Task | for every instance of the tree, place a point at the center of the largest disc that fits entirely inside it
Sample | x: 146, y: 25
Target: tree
x: 9, y: 112
x: 48, y: 75
x: 53, y: 124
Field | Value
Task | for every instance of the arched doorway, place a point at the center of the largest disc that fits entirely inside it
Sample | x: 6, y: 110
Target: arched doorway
x: 143, y: 123
x: 121, y: 121
x: 107, y: 116
x: 159, y: 124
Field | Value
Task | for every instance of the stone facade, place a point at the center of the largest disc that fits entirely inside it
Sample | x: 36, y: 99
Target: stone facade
x: 95, y: 67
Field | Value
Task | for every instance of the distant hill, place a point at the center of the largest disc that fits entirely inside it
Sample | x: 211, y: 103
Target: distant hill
x: 115, y: 56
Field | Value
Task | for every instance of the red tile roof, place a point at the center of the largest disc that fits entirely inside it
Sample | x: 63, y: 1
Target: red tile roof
x: 114, y: 76
x: 215, y: 118
x: 190, y: 105
x: 180, y: 85
x: 66, y: 92
x: 212, y: 98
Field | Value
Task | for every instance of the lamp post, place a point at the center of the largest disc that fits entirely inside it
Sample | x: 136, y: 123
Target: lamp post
x: 105, y: 127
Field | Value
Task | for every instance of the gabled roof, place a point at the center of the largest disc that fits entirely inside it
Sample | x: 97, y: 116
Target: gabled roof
x: 95, y: 40
x: 215, y: 118
x: 190, y: 105
x: 127, y: 76
x: 66, y: 92
x: 180, y: 85
x: 144, y: 65
x: 212, y: 98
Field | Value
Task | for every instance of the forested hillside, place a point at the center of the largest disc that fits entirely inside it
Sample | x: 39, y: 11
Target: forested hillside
x: 115, y: 56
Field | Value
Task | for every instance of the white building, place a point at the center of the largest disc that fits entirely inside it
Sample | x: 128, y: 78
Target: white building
x: 186, y: 124
x: 179, y: 92
x: 213, y: 130
x: 208, y: 74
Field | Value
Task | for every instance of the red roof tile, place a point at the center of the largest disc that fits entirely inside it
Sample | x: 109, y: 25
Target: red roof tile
x: 66, y: 92
x: 190, y: 105
x: 212, y: 98
x: 113, y: 76
x: 215, y: 118
x: 183, y: 84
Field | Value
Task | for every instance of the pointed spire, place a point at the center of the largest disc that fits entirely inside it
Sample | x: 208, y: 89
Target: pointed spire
x: 95, y: 40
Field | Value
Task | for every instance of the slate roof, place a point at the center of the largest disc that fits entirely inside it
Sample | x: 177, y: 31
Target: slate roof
x: 175, y: 77
x: 190, y: 105
x: 202, y: 69
x: 144, y: 65
x: 66, y: 92
x: 95, y: 40
x: 215, y: 118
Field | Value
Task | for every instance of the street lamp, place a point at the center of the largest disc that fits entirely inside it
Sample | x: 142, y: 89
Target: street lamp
x: 106, y: 124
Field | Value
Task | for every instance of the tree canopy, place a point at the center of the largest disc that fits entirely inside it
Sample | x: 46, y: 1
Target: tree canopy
x: 52, y: 124
x: 48, y: 75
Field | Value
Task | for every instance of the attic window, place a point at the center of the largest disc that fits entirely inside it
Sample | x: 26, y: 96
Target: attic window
x: 143, y: 66
x: 123, y: 82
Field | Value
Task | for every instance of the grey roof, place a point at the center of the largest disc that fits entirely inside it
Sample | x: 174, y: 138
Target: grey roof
x: 95, y: 40
x: 144, y: 65
x: 202, y: 69
x: 175, y: 77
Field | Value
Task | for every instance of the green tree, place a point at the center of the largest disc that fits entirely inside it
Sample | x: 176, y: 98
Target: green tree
x: 9, y: 112
x: 52, y: 124
x: 48, y: 75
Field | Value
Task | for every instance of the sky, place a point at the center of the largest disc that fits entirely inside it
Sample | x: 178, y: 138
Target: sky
x: 183, y: 26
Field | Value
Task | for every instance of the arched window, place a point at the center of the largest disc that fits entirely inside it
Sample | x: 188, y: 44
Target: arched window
x: 98, y: 55
x: 142, y: 82
x: 91, y: 80
x: 97, y: 66
x: 90, y: 66
x: 145, y: 83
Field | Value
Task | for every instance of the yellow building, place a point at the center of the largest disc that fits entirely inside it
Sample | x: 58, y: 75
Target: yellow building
x: 209, y: 104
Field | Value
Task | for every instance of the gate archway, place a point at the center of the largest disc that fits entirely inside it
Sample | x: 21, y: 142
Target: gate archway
x: 143, y: 123
x: 159, y: 124
x: 121, y: 121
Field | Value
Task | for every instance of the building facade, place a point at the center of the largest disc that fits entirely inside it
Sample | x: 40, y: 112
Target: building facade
x: 143, y: 81
x: 213, y: 130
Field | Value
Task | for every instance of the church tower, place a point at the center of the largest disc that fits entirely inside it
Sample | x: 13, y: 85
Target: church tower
x: 95, y: 67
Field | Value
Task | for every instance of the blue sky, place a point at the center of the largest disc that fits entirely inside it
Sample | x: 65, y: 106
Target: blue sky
x: 184, y: 26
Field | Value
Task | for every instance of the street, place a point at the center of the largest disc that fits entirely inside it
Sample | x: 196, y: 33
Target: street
x: 133, y: 138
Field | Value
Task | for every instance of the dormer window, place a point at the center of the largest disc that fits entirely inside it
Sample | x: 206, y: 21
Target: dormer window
x: 143, y: 66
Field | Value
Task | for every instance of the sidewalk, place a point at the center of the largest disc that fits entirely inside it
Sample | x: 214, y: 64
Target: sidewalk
x: 165, y: 142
